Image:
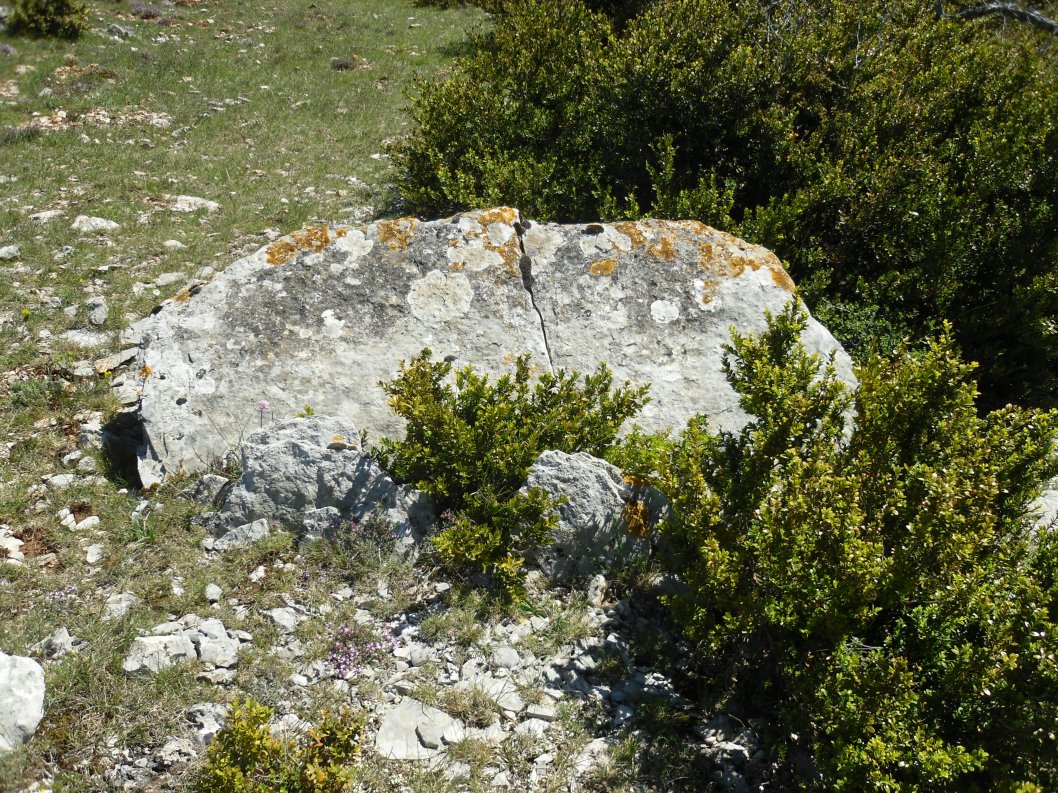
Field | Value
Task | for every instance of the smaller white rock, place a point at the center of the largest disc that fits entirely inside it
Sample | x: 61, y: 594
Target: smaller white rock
x: 21, y: 700
x: 506, y: 658
x: 285, y: 618
x: 60, y: 481
x: 166, y: 279
x: 189, y: 203
x: 91, y: 522
x: 10, y: 253
x: 118, y: 605
x: 97, y: 310
x: 155, y: 653
x: 213, y: 593
x: 89, y: 224
x: 173, y: 245
x: 94, y: 553
x: 47, y: 215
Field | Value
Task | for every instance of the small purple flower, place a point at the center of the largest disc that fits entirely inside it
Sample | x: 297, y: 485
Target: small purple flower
x: 263, y: 405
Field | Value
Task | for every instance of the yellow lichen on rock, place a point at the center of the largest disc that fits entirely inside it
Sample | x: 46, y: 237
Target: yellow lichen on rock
x: 498, y: 215
x: 632, y: 230
x: 636, y: 518
x: 663, y: 249
x: 281, y: 252
x: 603, y: 267
x: 312, y: 238
x: 396, y: 234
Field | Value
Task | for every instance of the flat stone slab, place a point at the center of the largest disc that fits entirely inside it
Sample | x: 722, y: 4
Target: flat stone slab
x: 399, y: 737
x: 320, y: 317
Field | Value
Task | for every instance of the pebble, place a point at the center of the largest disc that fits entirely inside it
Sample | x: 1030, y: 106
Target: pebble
x: 167, y: 279
x: 91, y: 522
x: 118, y: 605
x: 47, y: 215
x: 189, y: 203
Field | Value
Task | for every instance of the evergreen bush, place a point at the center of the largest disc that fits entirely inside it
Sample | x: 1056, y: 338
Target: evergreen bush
x: 66, y: 19
x: 866, y: 564
x: 470, y: 448
x: 246, y: 757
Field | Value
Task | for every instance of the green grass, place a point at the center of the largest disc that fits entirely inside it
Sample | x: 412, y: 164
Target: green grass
x: 249, y: 113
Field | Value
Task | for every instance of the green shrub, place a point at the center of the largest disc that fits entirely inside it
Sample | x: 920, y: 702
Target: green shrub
x: 470, y: 449
x: 880, y: 585
x: 904, y: 166
x: 246, y: 757
x: 65, y: 19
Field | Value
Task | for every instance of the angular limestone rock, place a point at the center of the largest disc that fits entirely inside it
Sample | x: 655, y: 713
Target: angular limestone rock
x: 603, y: 517
x: 21, y: 700
x: 399, y: 736
x: 155, y: 653
x: 313, y: 469
x: 321, y: 316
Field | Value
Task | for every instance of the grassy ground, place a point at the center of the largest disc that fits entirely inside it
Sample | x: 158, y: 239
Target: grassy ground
x: 233, y: 101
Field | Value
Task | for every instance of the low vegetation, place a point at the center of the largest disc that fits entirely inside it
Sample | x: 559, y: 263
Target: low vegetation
x: 246, y: 757
x: 60, y: 18
x: 866, y: 561
x: 470, y: 447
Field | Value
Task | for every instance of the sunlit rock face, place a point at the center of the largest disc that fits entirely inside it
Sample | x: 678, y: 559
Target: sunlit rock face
x: 322, y: 316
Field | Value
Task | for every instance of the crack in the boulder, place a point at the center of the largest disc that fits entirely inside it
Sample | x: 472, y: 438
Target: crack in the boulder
x: 525, y: 264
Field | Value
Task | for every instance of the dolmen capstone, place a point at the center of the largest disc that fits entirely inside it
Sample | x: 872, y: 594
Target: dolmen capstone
x: 320, y: 317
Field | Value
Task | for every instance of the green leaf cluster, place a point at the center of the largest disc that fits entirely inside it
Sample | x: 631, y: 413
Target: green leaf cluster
x: 469, y: 447
x: 904, y: 165
x: 246, y: 757
x: 65, y: 19
x: 869, y: 560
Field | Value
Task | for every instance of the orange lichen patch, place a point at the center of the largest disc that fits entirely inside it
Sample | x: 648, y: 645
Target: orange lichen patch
x: 738, y: 264
x: 182, y: 296
x: 498, y: 215
x: 636, y: 519
x: 603, y: 267
x: 781, y: 278
x: 396, y: 234
x: 314, y: 238
x: 456, y: 267
x: 631, y: 230
x: 662, y: 249
x: 340, y: 232
x: 511, y: 256
x: 281, y: 252
x: 146, y: 371
x: 710, y: 289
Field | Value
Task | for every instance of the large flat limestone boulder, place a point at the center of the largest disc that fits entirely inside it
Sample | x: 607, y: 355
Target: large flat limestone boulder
x: 320, y: 317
